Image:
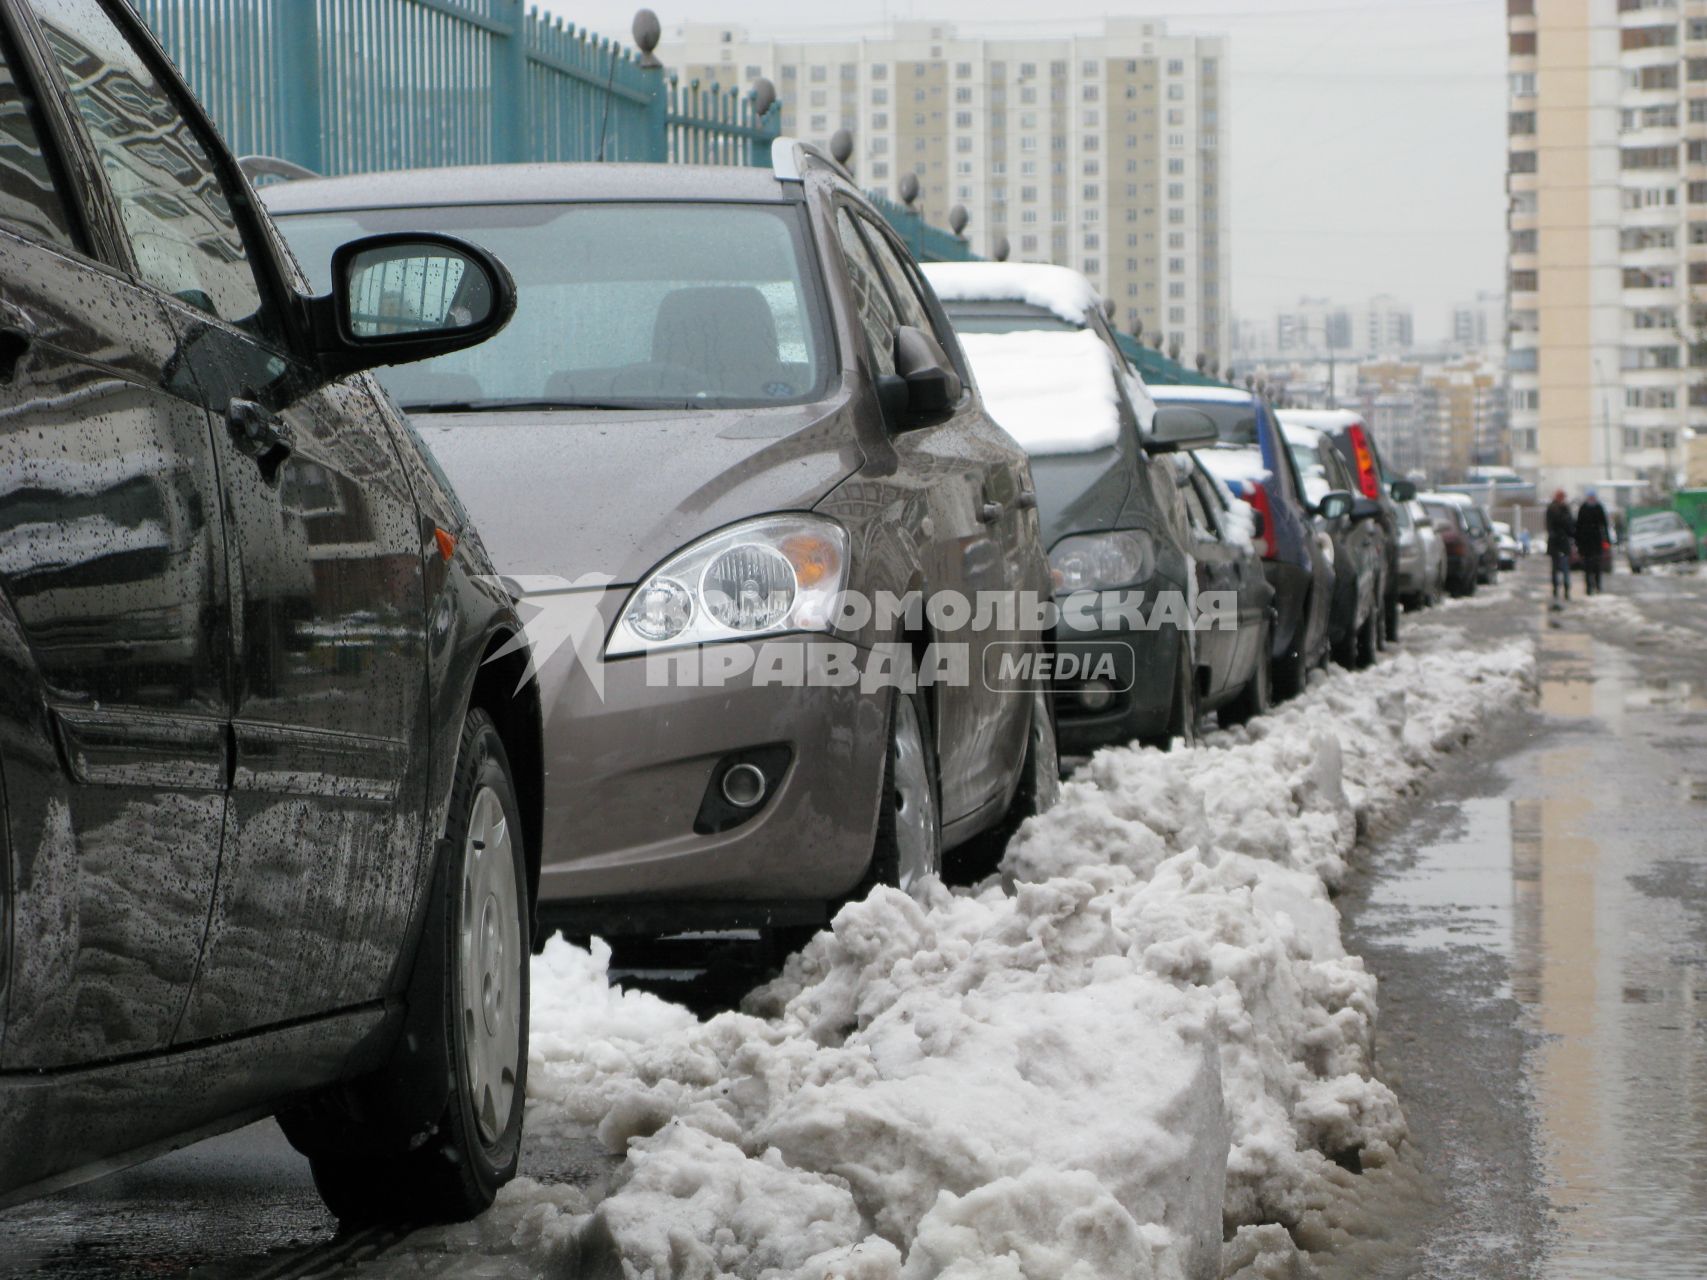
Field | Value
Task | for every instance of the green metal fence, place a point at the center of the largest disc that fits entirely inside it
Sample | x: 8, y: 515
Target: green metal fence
x: 346, y: 86
x: 928, y: 243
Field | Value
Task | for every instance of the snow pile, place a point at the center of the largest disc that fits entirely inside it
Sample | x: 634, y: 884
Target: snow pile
x: 1058, y: 289
x: 1052, y: 391
x: 1238, y: 517
x: 1151, y: 1034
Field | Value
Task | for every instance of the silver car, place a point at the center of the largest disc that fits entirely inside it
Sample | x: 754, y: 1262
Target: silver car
x: 1663, y: 537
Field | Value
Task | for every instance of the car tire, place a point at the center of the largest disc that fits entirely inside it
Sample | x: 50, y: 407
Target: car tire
x: 1289, y: 674
x: 909, y: 813
x: 1039, y: 787
x: 1369, y: 640
x: 1391, y: 609
x: 475, y: 1041
x: 1257, y: 695
x: 1183, y: 713
x: 1634, y: 567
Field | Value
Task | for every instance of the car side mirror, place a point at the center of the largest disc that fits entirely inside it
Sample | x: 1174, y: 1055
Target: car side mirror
x: 1403, y: 490
x: 924, y: 385
x: 407, y: 296
x: 1336, y: 504
x: 1177, y: 427
x: 1365, y: 509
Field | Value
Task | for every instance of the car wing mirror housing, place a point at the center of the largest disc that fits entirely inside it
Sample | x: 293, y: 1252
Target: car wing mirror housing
x: 1365, y: 508
x: 407, y: 296
x: 1403, y: 490
x: 924, y: 385
x: 1336, y: 504
x: 1177, y: 427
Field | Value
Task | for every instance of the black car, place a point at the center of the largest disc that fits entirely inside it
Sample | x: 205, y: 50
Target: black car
x: 270, y: 793
x: 1359, y: 545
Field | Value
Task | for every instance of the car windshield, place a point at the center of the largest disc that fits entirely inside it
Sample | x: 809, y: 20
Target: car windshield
x: 1663, y: 522
x: 671, y: 305
x: 1235, y: 422
x: 1443, y: 513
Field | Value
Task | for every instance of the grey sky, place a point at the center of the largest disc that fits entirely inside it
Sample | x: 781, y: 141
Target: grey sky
x: 1367, y: 136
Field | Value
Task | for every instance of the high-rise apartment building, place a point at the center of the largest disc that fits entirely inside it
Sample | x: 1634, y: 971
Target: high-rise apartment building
x: 1608, y: 238
x: 1104, y: 152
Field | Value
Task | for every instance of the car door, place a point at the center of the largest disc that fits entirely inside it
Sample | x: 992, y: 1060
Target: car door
x: 323, y: 838
x: 1217, y: 567
x: 115, y: 627
x: 977, y: 492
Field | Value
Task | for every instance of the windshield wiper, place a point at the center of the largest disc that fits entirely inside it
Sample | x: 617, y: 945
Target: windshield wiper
x: 524, y: 404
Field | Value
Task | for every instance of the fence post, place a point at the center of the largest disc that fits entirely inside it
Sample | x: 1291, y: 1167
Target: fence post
x: 510, y: 85
x: 296, y: 45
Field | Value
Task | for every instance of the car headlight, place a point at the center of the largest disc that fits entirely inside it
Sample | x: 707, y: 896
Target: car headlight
x: 1102, y: 561
x: 764, y: 577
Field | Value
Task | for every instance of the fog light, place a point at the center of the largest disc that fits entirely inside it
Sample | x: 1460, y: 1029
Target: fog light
x: 1096, y: 695
x: 744, y: 785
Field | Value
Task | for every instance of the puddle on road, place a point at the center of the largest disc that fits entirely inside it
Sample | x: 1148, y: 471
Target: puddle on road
x: 1588, y: 876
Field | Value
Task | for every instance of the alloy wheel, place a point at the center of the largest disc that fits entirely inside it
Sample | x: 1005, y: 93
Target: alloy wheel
x: 490, y: 953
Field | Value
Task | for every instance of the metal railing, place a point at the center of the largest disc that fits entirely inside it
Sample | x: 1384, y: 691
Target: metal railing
x: 928, y: 243
x: 345, y: 86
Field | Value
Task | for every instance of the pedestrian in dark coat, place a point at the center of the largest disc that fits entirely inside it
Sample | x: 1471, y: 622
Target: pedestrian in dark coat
x: 1561, y: 528
x: 1593, y: 543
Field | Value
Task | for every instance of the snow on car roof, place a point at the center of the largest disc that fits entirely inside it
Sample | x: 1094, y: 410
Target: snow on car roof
x: 1235, y: 463
x: 1059, y: 289
x: 1296, y: 433
x: 1227, y: 395
x: 1053, y: 392
x: 1321, y: 419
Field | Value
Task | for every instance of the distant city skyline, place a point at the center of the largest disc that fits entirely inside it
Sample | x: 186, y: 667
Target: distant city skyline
x: 1368, y: 145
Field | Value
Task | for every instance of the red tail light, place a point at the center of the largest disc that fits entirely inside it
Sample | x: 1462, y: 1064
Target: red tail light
x: 1257, y: 496
x: 1367, y: 479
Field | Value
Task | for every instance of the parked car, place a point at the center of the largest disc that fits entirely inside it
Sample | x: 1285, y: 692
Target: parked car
x: 1661, y: 537
x: 1233, y: 661
x: 1463, y: 554
x: 728, y: 402
x: 1510, y: 550
x: 1422, y: 557
x: 1113, y: 517
x: 1114, y: 522
x: 264, y: 754
x: 1359, y: 548
x: 1482, y: 537
x: 1251, y: 457
x: 1359, y: 451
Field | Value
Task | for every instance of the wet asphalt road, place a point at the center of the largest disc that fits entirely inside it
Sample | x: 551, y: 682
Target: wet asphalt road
x: 1539, y: 926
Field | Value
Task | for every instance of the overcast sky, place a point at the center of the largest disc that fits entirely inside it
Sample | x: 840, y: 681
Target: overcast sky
x: 1367, y: 136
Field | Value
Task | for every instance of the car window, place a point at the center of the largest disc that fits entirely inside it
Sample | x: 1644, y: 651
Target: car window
x: 656, y: 304
x: 173, y: 208
x: 1196, y: 509
x: 1235, y: 421
x: 30, y: 201
x: 871, y: 297
x: 1663, y: 522
x: 1312, y: 462
x: 905, y: 291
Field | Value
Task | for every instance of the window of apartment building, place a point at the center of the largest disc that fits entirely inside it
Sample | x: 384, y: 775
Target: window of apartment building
x: 1091, y: 168
x: 1522, y: 360
x: 1028, y: 195
x: 1176, y: 217
x: 1651, y: 78
x: 1092, y: 240
x: 1028, y: 244
x: 879, y: 119
x: 1028, y: 168
x: 1176, y: 289
x: 1091, y: 119
x: 820, y: 124
x: 1090, y: 93
x: 880, y: 97
x: 1524, y: 241
x: 1088, y: 67
x: 1176, y: 239
x: 963, y: 71
x: 1176, y: 141
x: 1630, y: 198
x: 1520, y: 8
x: 1697, y: 193
x: 1661, y: 117
x: 1028, y: 216
x: 1176, y: 315
x: 962, y: 145
x: 1697, y: 29
x: 1636, y: 358
x: 963, y: 97
x: 1027, y: 70
x: 849, y: 71
x: 751, y: 72
x: 918, y: 95
x: 817, y: 75
x: 1525, y: 400
x: 1632, y: 437
x: 1522, y: 84
x: 1655, y: 37
x: 880, y: 169
x: 817, y: 98
x: 1176, y: 93
x: 1649, y: 278
x: 880, y: 71
x: 1523, y: 43
x: 1521, y: 162
x: 1028, y: 96
x: 1176, y: 67
x: 1697, y: 68
x: 879, y: 146
x: 1650, y: 398
x: 1176, y: 266
x: 1520, y: 122
x: 1697, y: 153
x: 1523, y: 281
x: 1176, y: 191
x: 1640, y: 158
x: 1632, y: 239
x: 1653, y: 318
x: 1028, y: 143
x: 1092, y: 191
x: 962, y: 119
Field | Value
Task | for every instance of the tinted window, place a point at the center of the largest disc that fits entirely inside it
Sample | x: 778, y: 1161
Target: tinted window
x: 1312, y: 463
x: 29, y: 201
x: 876, y: 311
x: 1236, y: 422
x: 906, y: 293
x: 174, y: 210
x: 617, y: 305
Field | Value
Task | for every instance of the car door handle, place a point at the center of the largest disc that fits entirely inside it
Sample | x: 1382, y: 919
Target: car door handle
x: 990, y: 512
x: 260, y: 433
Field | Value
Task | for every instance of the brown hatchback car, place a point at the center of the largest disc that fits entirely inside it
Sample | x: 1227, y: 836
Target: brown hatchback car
x: 728, y: 403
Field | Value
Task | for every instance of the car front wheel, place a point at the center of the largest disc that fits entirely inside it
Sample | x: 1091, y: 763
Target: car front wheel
x: 909, y: 816
x: 468, y: 1035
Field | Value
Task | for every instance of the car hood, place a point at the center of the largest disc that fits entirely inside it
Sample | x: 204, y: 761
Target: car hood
x: 1080, y: 492
x: 573, y: 493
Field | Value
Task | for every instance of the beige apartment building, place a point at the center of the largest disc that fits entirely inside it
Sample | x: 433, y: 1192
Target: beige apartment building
x: 1608, y: 241
x: 1105, y: 152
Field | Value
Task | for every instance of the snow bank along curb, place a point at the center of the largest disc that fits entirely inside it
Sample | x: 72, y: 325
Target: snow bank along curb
x: 1153, y: 1035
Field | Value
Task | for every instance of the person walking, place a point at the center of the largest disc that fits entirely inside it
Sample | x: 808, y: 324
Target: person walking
x: 1561, y: 528
x: 1592, y: 541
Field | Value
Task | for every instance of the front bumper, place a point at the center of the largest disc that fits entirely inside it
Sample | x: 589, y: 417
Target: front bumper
x: 1135, y: 700
x: 1678, y: 554
x: 628, y: 770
